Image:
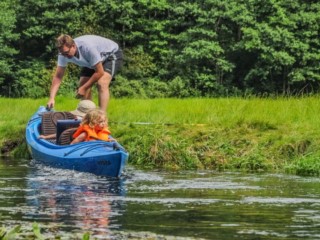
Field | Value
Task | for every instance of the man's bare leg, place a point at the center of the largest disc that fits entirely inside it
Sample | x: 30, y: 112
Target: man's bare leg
x: 103, y: 89
x: 88, y: 94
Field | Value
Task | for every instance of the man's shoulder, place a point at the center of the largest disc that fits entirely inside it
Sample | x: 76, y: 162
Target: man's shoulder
x: 88, y: 38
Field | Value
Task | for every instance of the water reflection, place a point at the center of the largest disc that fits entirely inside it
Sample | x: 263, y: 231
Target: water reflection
x: 201, y: 205
x: 78, y: 200
x: 60, y: 200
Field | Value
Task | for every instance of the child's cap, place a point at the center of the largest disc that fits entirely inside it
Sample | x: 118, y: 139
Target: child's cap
x: 84, y: 106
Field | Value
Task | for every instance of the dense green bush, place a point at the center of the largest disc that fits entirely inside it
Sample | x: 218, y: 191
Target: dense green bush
x: 33, y: 80
x: 178, y: 88
x: 216, y: 48
x: 121, y: 87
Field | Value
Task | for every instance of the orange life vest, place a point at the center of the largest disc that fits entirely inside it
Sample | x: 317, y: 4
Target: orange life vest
x: 93, y: 134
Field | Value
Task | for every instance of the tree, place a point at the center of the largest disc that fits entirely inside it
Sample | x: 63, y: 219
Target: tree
x: 284, y: 39
x: 7, y: 38
x: 206, y: 47
x: 200, y: 49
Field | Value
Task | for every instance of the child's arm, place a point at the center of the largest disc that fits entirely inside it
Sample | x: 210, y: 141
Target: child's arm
x: 53, y: 135
x: 80, y: 138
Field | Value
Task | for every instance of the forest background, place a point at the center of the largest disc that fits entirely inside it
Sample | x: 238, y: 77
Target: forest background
x: 195, y: 48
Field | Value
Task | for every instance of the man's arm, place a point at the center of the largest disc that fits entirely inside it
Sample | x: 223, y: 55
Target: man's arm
x: 56, y: 81
x: 99, y: 71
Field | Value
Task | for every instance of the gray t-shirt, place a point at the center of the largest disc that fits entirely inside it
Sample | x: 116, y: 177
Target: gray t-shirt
x: 92, y: 49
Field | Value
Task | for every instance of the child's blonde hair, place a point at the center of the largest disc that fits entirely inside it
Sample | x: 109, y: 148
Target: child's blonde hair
x: 92, y: 117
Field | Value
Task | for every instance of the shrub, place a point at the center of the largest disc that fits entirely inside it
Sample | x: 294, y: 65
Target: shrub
x: 33, y: 80
x: 122, y: 87
x: 156, y: 89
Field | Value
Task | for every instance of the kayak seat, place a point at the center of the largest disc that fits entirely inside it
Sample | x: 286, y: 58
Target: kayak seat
x: 65, y: 130
x: 49, y: 121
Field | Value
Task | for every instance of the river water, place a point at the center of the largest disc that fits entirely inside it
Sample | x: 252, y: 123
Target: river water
x: 159, y: 205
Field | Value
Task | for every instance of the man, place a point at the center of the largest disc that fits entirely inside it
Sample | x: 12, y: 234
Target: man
x: 100, y: 59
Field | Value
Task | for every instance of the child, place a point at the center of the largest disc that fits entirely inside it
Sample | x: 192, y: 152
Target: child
x: 93, y: 127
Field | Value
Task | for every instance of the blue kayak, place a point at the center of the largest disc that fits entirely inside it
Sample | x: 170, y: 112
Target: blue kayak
x: 98, y: 157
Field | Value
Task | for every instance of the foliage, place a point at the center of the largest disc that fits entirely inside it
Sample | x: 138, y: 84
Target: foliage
x: 178, y: 88
x: 128, y: 89
x: 11, y: 234
x: 151, y: 88
x: 139, y: 64
x: 203, y: 48
x: 281, y: 62
x: 7, y: 39
x: 307, y: 166
x: 34, y: 80
x: 17, y: 233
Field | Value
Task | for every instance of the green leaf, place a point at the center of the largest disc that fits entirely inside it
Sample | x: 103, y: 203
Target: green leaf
x: 36, y: 231
x: 86, y: 236
x: 11, y: 235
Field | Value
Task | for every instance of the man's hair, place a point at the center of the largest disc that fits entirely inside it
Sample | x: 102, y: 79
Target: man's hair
x: 64, y: 40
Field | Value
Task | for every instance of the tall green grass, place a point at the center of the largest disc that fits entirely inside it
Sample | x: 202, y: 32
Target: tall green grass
x: 302, y: 112
x: 224, y: 133
x: 221, y: 133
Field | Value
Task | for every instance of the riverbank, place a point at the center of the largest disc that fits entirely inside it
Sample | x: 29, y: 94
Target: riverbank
x: 274, y: 135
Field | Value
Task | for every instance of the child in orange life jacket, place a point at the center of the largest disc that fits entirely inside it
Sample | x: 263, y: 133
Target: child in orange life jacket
x: 93, y: 127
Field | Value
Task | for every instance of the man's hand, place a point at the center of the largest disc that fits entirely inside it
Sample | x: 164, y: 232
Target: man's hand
x: 50, y: 104
x: 80, y: 92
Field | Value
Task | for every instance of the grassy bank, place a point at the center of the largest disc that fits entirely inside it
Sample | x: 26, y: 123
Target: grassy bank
x: 231, y: 133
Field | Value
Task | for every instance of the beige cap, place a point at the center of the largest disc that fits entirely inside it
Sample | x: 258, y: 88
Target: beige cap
x: 84, y: 106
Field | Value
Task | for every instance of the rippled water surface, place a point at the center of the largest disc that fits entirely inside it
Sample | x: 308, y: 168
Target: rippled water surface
x: 204, y: 205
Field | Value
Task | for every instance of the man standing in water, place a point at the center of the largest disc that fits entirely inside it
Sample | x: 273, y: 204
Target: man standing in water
x: 100, y: 59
